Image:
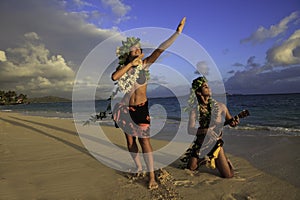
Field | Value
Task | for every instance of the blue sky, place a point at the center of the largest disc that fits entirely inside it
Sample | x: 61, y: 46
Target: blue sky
x: 254, y: 44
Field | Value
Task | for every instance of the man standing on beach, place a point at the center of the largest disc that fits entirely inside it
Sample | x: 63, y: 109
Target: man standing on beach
x: 132, y: 114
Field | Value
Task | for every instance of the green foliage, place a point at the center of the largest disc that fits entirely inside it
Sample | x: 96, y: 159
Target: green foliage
x: 11, y: 97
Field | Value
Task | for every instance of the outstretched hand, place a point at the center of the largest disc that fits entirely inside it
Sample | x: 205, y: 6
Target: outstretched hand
x: 181, y: 25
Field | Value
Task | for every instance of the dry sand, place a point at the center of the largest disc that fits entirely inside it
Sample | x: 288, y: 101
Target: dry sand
x: 43, y: 158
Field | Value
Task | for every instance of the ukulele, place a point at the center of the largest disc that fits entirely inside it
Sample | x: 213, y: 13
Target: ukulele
x: 242, y: 114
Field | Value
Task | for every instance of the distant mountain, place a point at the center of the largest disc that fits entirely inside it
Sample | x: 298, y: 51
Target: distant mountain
x: 48, y: 99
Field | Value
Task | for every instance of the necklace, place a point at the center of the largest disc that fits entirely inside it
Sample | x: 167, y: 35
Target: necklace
x: 127, y: 81
x: 208, y: 113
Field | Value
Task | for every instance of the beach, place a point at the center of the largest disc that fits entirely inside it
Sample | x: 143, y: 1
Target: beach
x: 44, y: 158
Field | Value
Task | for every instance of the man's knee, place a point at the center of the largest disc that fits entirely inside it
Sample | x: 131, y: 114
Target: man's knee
x: 228, y: 175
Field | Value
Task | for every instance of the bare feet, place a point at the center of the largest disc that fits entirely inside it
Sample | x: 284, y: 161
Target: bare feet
x: 140, y: 173
x: 152, y: 185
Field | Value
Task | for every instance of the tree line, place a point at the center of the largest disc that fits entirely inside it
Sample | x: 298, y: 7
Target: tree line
x: 11, y: 98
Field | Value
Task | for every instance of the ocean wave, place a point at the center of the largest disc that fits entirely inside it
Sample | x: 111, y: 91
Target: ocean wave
x: 6, y: 110
x: 283, y: 131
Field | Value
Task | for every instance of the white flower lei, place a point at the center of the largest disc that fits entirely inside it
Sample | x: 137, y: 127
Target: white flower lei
x: 127, y: 81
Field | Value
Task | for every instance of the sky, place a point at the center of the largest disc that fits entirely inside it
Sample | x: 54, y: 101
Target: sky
x: 254, y: 44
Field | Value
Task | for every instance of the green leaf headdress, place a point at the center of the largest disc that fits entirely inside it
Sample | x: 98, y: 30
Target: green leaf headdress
x: 197, y: 83
x: 123, y: 51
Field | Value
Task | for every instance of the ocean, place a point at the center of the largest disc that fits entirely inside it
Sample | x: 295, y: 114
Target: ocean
x: 273, y: 114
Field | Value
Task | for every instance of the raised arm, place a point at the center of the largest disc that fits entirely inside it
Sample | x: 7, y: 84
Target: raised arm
x: 166, y: 44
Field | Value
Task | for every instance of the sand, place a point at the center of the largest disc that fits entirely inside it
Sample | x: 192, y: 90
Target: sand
x: 43, y: 158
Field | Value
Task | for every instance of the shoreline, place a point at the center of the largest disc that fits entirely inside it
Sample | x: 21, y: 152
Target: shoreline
x: 248, y: 129
x: 45, y: 158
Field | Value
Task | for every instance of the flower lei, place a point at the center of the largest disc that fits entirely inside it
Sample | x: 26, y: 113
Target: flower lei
x: 207, y: 114
x: 127, y: 81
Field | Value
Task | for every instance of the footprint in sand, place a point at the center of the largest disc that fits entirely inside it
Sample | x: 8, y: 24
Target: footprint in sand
x: 236, y: 196
x: 190, y: 172
x: 184, y: 183
x: 211, y: 181
x: 238, y: 178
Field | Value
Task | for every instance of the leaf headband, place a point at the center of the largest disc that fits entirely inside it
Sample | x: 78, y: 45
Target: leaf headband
x: 197, y: 83
x: 123, y: 51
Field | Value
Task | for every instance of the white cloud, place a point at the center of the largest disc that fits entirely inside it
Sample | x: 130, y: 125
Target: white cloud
x: 81, y: 3
x: 262, y: 33
x: 44, y: 60
x: 255, y: 82
x: 31, y: 36
x: 118, y: 8
x: 31, y: 68
x: 287, y: 53
x: 65, y: 33
x: 203, y: 68
x: 280, y: 73
x: 2, y: 56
